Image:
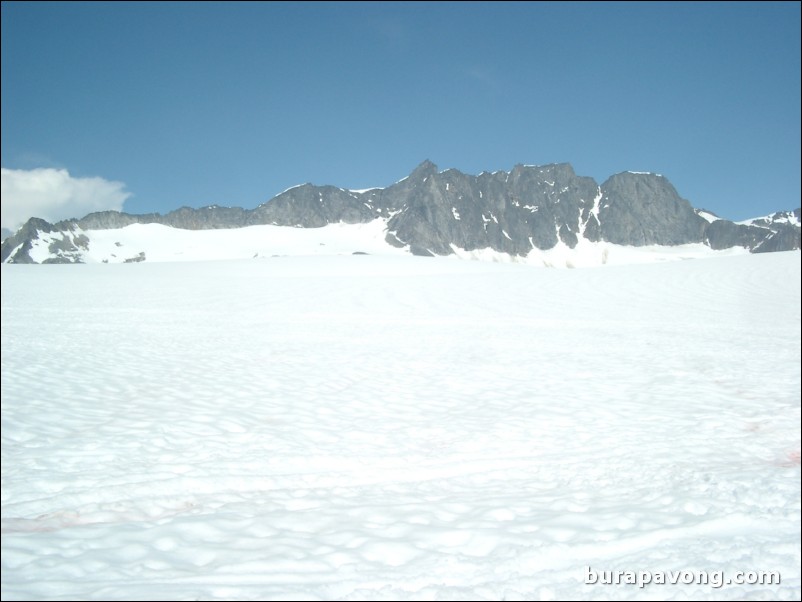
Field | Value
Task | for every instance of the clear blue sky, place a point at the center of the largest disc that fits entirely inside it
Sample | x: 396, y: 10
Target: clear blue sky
x: 231, y: 103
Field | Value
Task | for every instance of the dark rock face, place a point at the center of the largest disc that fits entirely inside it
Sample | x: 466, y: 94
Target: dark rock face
x: 309, y: 206
x: 777, y: 232
x: 509, y: 212
x: 784, y: 238
x: 644, y: 209
x: 432, y: 212
x: 785, y: 232
x: 112, y: 220
x: 722, y: 234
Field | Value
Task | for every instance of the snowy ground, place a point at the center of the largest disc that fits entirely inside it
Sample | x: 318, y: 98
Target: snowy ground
x: 364, y: 427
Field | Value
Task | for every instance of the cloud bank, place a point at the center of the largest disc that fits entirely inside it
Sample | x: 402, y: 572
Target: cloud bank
x: 53, y: 194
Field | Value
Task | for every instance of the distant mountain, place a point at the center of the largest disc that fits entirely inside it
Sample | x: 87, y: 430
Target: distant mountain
x: 431, y: 212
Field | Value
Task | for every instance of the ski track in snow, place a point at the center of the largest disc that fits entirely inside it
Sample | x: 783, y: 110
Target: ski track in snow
x: 398, y: 428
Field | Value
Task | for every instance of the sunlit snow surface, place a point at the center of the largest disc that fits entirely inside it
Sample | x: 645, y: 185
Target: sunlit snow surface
x: 364, y: 427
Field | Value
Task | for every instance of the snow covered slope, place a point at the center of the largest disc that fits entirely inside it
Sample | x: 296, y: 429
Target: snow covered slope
x: 154, y: 242
x: 377, y: 427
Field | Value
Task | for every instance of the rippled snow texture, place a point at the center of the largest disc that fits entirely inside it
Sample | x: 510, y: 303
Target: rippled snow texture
x: 366, y: 427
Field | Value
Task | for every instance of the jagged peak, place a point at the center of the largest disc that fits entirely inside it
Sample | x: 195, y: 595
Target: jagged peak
x: 104, y: 212
x: 563, y: 169
x: 628, y: 178
x: 426, y: 168
x: 637, y: 175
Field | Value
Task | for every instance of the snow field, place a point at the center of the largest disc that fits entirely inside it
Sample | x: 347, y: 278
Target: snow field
x: 364, y: 427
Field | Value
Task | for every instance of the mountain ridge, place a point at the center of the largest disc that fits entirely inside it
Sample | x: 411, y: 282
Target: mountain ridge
x: 432, y: 212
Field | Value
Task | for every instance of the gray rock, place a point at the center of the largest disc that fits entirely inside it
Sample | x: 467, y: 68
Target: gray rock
x: 113, y: 220
x: 722, y: 234
x: 784, y: 238
x: 777, y: 232
x: 644, y: 209
x: 309, y: 206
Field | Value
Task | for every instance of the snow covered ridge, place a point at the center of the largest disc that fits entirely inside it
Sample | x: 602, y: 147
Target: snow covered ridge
x: 401, y: 428
x: 781, y: 217
x: 506, y: 214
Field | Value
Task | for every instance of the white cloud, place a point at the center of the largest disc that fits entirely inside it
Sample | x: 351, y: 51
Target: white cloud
x: 53, y: 194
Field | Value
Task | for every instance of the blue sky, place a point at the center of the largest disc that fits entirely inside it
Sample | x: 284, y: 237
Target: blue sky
x: 204, y: 103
